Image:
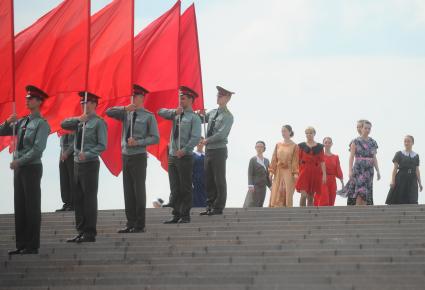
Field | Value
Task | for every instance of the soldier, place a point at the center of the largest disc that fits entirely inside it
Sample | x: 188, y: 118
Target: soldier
x: 86, y: 166
x: 220, y: 122
x: 66, y: 171
x: 32, y: 133
x: 185, y: 135
x: 144, y: 132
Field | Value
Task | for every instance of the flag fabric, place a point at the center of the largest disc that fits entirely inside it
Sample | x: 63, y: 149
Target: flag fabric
x: 156, y: 53
x: 6, y: 51
x: 156, y: 50
x: 190, y: 57
x: 189, y: 75
x: 52, y: 54
x: 111, y: 68
x: 111, y: 51
x: 162, y: 62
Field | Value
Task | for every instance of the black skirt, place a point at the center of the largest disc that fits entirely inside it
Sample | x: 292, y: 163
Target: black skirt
x: 405, y: 190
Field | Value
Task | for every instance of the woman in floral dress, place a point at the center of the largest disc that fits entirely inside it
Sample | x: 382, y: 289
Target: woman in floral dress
x: 362, y: 164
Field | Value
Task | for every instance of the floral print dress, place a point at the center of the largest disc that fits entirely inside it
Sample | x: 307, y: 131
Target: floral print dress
x: 363, y: 169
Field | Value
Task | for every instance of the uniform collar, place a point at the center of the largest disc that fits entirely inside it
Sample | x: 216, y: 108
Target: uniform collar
x: 221, y: 110
x: 91, y: 115
x: 34, y: 115
x: 188, y: 110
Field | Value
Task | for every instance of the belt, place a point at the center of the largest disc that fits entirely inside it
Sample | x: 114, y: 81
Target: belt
x: 407, y: 170
x: 365, y: 158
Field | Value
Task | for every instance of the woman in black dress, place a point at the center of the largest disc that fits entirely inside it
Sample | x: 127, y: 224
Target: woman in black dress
x: 406, y: 176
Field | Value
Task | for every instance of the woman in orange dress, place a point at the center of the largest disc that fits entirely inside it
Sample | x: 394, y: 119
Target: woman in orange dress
x: 312, y: 168
x: 284, y: 170
x: 333, y: 171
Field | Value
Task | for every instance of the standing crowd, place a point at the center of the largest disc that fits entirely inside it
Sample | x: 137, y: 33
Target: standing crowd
x: 195, y: 178
x: 85, y: 138
x: 311, y: 169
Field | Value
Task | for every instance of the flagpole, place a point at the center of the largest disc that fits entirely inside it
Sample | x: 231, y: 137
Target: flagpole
x: 87, y: 74
x: 12, y: 18
x: 205, y: 125
x: 180, y: 121
x: 14, y: 131
x: 178, y: 78
x: 200, y: 71
x: 131, y: 118
x: 84, y: 123
x: 132, y: 68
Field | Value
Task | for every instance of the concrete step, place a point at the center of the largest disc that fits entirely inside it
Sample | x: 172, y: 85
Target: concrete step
x: 310, y: 248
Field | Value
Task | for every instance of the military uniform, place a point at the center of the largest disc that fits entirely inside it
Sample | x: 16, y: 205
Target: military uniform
x: 66, y: 171
x: 180, y: 169
x: 220, y: 123
x: 86, y: 172
x: 32, y: 132
x: 145, y: 132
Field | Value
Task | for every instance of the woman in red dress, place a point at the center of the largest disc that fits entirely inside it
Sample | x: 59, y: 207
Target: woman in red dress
x: 312, y: 168
x: 333, y: 171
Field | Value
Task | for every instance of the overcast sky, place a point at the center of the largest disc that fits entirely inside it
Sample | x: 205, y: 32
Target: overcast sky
x: 321, y: 63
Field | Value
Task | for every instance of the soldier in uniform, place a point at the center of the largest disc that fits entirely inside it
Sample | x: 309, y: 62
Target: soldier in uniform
x: 184, y: 137
x: 32, y: 132
x: 134, y: 140
x: 220, y: 122
x: 66, y: 171
x: 86, y: 166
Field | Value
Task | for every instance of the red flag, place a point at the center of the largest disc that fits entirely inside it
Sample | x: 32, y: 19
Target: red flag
x: 189, y: 75
x: 6, y: 51
x: 156, y: 68
x: 111, y: 67
x: 52, y: 54
x: 190, y: 57
x: 156, y: 51
x: 111, y: 51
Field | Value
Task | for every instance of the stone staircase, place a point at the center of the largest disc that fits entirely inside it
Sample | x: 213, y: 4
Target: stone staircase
x: 378, y: 247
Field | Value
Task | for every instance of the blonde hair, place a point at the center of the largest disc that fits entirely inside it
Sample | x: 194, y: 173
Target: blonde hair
x: 310, y: 129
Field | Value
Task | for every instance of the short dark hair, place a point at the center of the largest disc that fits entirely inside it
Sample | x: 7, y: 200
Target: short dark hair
x: 261, y: 142
x: 327, y: 138
x: 289, y: 128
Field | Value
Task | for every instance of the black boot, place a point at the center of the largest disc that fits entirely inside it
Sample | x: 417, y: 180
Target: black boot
x: 184, y: 220
x: 173, y: 220
x: 74, y: 239
x: 206, y: 212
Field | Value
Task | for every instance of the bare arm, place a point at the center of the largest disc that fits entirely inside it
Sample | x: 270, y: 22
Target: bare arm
x: 351, y: 160
x: 418, y: 176
x: 375, y: 164
x: 393, y: 174
x: 323, y: 165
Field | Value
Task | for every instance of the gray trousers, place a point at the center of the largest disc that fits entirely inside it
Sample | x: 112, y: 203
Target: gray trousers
x: 215, y: 172
x: 180, y: 176
x: 86, y: 177
x: 27, y: 199
x: 134, y: 181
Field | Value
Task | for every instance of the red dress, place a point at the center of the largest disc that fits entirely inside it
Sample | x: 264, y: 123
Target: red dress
x: 328, y: 192
x: 310, y: 178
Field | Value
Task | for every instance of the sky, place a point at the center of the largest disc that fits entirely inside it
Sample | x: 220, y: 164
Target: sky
x: 320, y: 63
